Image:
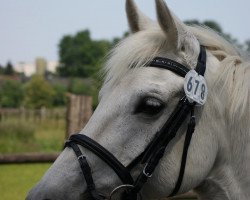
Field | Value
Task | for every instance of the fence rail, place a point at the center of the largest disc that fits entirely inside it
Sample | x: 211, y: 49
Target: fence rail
x: 32, y: 114
x: 27, y: 158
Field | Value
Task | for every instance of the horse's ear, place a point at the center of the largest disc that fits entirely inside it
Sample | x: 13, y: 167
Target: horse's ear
x: 136, y: 19
x: 167, y: 22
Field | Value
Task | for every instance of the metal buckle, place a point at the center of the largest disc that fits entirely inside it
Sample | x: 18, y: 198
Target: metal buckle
x: 81, y: 157
x: 148, y: 175
x: 120, y: 187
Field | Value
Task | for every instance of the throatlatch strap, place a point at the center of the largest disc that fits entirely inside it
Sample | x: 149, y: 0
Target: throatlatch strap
x: 167, y: 133
x: 189, y: 133
x: 161, y: 136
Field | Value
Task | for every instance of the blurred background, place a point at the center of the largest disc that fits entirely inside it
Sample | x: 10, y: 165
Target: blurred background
x: 50, y: 56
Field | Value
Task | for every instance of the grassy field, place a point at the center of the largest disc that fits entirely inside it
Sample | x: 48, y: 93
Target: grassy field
x: 16, y: 136
x: 31, y: 136
x: 16, y: 180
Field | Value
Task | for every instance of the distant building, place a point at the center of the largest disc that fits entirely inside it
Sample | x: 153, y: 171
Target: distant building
x: 27, y: 68
x: 40, y: 66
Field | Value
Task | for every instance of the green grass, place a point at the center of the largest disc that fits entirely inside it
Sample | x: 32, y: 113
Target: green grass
x: 17, y: 179
x: 31, y: 136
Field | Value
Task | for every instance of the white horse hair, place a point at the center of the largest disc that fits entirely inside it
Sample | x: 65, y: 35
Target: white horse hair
x: 218, y: 163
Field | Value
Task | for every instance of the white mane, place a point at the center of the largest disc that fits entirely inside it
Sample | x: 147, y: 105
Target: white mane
x: 234, y: 72
x: 145, y: 44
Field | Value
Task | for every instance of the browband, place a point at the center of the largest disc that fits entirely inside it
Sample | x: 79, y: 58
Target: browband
x: 181, y: 70
x: 166, y: 63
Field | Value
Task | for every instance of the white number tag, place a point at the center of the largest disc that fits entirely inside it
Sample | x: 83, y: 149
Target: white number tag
x: 195, y: 87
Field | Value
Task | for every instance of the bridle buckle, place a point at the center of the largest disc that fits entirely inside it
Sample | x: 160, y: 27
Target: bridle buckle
x: 120, y: 187
x: 147, y: 174
x: 81, y: 157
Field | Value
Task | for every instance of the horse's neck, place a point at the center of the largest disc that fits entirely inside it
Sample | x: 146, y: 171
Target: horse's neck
x: 240, y: 156
x: 238, y: 133
x: 230, y: 177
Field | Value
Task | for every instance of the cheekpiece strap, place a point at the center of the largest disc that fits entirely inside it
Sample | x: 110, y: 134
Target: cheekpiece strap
x: 202, y: 59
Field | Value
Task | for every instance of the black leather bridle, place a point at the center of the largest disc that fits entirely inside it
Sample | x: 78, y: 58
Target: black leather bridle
x: 154, y: 151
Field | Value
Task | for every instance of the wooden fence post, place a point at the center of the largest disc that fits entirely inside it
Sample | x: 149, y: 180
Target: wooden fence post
x: 79, y: 110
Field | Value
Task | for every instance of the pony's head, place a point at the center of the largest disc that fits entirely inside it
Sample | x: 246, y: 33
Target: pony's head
x: 135, y: 103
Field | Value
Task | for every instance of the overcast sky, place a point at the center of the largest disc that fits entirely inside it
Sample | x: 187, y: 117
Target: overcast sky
x: 33, y: 28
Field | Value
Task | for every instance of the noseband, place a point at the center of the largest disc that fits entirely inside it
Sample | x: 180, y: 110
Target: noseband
x: 154, y: 151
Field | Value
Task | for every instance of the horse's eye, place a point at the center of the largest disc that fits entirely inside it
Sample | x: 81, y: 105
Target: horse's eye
x: 149, y: 106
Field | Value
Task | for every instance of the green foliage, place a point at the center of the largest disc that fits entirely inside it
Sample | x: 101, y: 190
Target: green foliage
x: 80, y: 56
x: 209, y: 23
x: 247, y: 45
x: 9, y: 70
x: 11, y: 94
x: 60, y: 95
x: 118, y: 39
x: 85, y: 87
x: 1, y: 69
x: 217, y: 28
x: 213, y: 25
x: 80, y: 86
x: 38, y: 93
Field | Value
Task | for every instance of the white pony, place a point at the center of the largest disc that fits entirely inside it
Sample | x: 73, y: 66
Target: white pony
x: 218, y: 162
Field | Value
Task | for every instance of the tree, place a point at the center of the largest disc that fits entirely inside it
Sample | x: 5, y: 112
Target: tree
x: 80, y: 56
x: 85, y: 87
x: 117, y: 39
x: 9, y: 70
x: 1, y: 69
x: 209, y: 23
x: 60, y: 95
x: 247, y: 45
x: 11, y: 94
x: 38, y: 93
x: 216, y: 27
x: 213, y: 25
